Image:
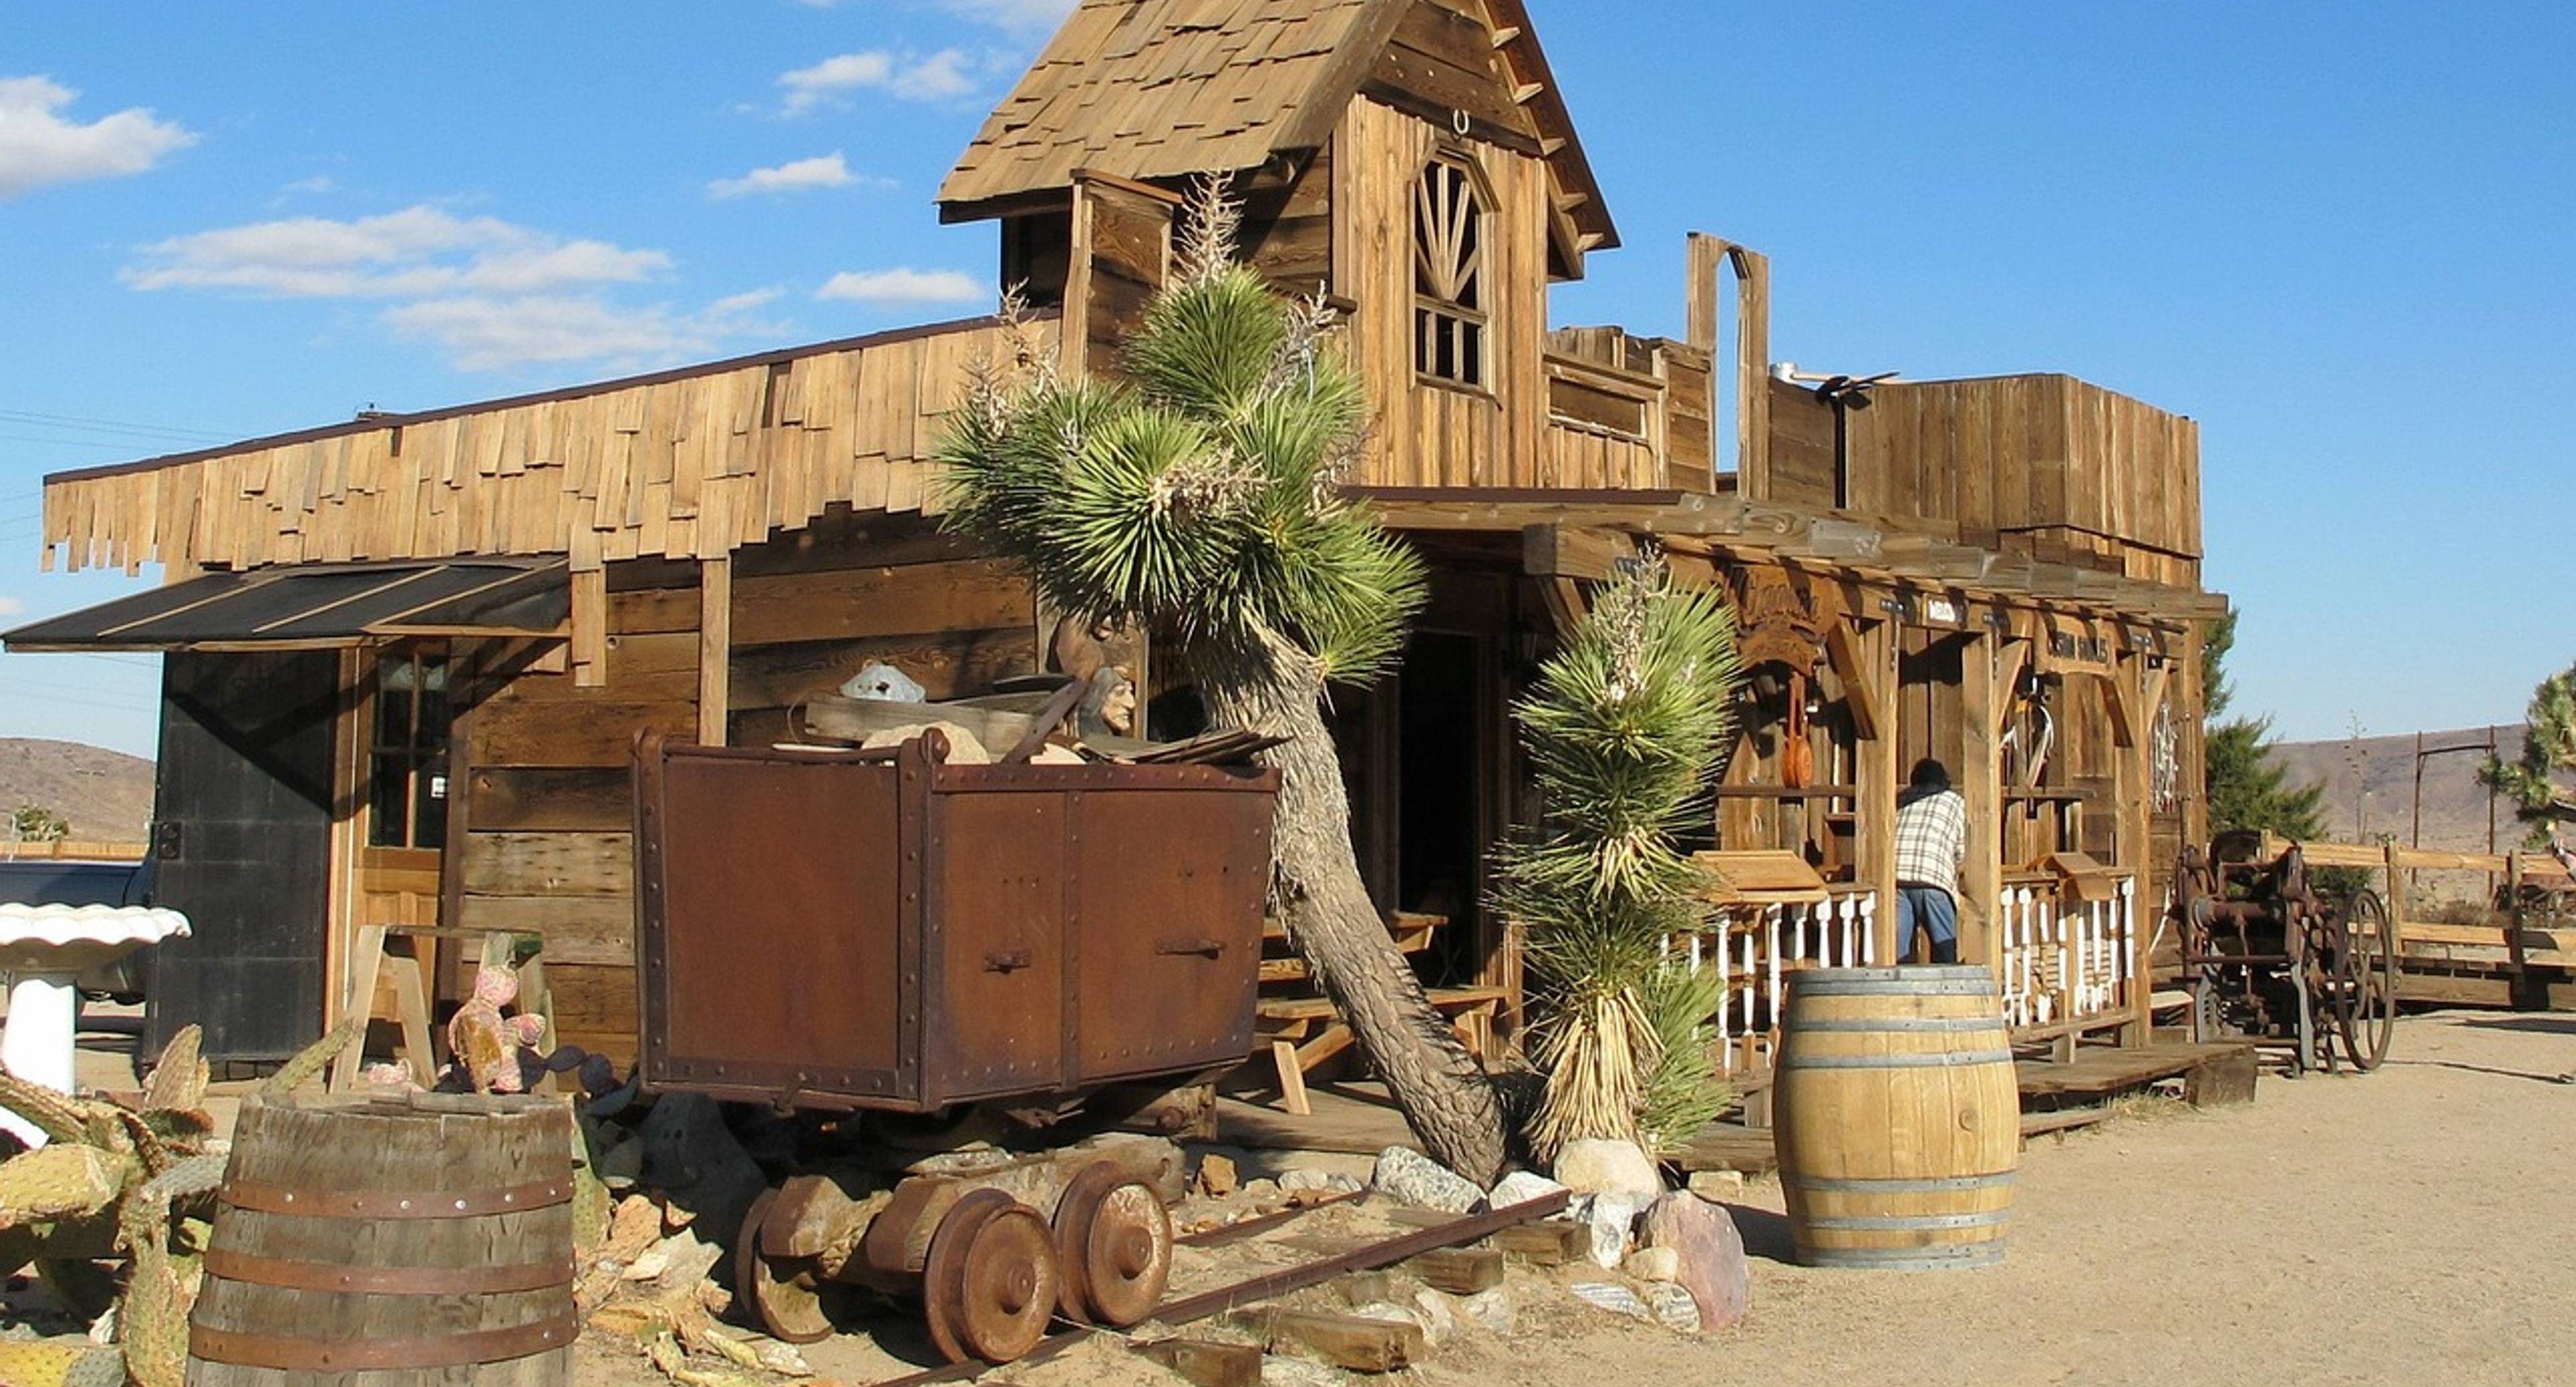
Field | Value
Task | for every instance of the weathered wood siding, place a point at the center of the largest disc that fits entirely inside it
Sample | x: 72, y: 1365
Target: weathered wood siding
x: 686, y: 464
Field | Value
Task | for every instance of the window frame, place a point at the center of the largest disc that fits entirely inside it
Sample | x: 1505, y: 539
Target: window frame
x: 421, y: 754
x: 1453, y: 217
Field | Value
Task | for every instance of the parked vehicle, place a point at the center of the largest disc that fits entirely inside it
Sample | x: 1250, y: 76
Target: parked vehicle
x: 47, y: 881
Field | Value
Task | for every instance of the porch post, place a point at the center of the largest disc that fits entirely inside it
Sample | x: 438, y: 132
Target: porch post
x: 2135, y: 755
x: 1980, y: 781
x: 1878, y: 781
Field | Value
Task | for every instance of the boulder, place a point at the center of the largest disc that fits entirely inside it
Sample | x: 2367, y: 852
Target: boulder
x: 1409, y: 1177
x: 1654, y: 1264
x: 1608, y: 1167
x: 1711, y: 1254
x: 1520, y: 1187
x: 1671, y: 1305
x: 1609, y: 1216
x: 1493, y: 1310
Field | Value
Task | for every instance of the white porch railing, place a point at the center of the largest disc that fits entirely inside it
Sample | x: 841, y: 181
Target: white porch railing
x: 2062, y: 961
x: 1762, y: 944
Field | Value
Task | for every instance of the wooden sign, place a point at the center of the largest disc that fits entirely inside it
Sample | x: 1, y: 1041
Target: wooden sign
x: 1775, y: 621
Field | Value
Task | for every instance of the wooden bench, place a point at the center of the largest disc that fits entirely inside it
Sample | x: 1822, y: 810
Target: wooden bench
x: 1304, y: 1032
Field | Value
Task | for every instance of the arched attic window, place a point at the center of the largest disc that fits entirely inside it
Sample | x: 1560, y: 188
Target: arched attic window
x: 1450, y: 298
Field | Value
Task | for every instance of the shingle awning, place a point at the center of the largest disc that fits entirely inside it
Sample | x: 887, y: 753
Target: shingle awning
x: 321, y: 606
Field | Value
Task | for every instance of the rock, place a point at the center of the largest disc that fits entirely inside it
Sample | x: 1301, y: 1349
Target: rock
x: 1608, y: 1167
x: 1520, y: 1187
x: 1711, y: 1254
x: 1671, y: 1305
x: 1613, y: 1297
x: 1717, y: 1186
x: 1654, y: 1264
x: 1303, y: 1179
x: 692, y: 1157
x: 648, y: 1266
x: 690, y: 1259
x: 1263, y: 1193
x: 1278, y: 1371
x: 1609, y: 1216
x: 1339, y: 1183
x: 1431, y: 1310
x: 1217, y: 1177
x: 1493, y: 1310
x: 634, y: 1227
x: 1409, y: 1177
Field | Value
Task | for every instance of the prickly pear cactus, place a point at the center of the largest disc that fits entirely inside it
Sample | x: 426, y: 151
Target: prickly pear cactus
x: 58, y: 1115
x: 64, y: 1180
x: 72, y: 1362
x: 179, y: 1077
x: 309, y: 1063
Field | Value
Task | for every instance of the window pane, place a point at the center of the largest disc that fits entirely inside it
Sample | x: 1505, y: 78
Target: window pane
x: 429, y: 819
x: 430, y: 734
x: 388, y: 800
x: 394, y: 680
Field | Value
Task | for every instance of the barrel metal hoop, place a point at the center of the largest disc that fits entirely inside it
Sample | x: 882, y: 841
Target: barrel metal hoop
x: 1907, y: 1223
x: 375, y: 1204
x: 1796, y: 1024
x: 252, y: 1269
x: 1929, y: 987
x: 373, y: 1355
x: 1858, y: 1184
x: 1948, y: 1060
x: 1958, y: 1258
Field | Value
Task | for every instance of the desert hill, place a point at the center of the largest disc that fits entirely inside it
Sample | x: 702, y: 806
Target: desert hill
x: 106, y: 794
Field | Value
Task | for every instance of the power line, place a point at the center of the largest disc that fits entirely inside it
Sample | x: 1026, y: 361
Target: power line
x: 125, y: 447
x: 29, y: 416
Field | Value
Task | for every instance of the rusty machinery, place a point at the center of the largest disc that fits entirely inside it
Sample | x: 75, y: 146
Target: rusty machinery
x: 2269, y: 957
x: 881, y: 937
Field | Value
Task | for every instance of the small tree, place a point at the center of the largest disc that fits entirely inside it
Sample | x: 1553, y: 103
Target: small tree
x: 34, y: 823
x: 2535, y: 780
x: 2248, y: 786
x: 1202, y: 498
x: 1623, y: 730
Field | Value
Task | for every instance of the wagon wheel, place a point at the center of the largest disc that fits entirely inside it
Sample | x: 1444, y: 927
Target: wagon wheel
x: 991, y: 1282
x: 2371, y: 1017
x: 787, y: 1293
x: 1115, y: 1239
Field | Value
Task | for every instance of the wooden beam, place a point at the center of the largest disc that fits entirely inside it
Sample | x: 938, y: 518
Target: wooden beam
x: 1979, y: 776
x: 715, y: 650
x: 590, y: 628
x: 1565, y: 604
x: 1505, y: 35
x: 1879, y: 777
x: 1850, y: 655
x: 1573, y: 551
x: 1528, y: 92
x: 2011, y: 662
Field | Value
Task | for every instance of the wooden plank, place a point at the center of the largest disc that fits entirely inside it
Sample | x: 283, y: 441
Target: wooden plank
x: 573, y: 733
x: 967, y: 595
x: 1349, y: 1342
x: 550, y: 798
x: 715, y: 648
x: 577, y: 929
x: 1459, y: 1270
x: 550, y: 864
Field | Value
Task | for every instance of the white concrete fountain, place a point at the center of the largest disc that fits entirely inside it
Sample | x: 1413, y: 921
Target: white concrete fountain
x: 43, y: 951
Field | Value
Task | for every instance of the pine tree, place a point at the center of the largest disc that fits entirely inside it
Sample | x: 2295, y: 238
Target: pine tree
x: 1201, y: 497
x: 1624, y: 730
x: 2249, y: 787
x: 2536, y: 780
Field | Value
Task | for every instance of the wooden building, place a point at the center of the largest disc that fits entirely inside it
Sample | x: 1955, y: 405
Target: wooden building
x: 2001, y: 573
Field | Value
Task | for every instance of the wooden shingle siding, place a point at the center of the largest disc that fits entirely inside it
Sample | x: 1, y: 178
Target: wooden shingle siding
x: 685, y: 464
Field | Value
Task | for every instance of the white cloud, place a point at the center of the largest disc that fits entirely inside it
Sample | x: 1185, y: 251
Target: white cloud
x: 39, y: 147
x: 824, y: 171
x: 1026, y: 17
x: 317, y: 184
x: 935, y: 78
x: 483, y: 332
x: 419, y: 251
x: 12, y: 606
x: 897, y: 287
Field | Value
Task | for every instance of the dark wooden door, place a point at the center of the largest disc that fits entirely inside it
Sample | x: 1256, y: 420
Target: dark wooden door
x: 242, y: 841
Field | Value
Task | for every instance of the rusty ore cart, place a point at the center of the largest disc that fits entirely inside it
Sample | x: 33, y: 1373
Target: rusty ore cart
x: 883, y: 932
x: 2271, y: 958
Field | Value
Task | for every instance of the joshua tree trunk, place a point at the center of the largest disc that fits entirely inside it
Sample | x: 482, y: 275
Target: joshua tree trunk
x: 1337, y: 930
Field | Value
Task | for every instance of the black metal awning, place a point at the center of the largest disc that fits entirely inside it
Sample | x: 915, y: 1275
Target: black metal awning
x: 320, y: 606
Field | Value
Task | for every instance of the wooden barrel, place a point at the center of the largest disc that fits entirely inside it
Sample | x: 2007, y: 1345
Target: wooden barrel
x: 413, y: 1241
x: 1896, y: 1117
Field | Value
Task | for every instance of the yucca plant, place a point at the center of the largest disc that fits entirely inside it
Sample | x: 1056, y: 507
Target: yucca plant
x: 1623, y: 729
x: 1200, y: 495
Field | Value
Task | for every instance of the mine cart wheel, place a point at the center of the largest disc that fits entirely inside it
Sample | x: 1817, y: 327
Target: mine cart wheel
x: 1115, y: 1239
x: 2371, y: 1019
x: 784, y: 1291
x: 991, y: 1284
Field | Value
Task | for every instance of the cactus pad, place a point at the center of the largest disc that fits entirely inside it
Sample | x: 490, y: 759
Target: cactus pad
x: 309, y: 1062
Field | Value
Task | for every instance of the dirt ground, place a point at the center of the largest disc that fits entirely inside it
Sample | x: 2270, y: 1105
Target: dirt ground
x: 2414, y: 1226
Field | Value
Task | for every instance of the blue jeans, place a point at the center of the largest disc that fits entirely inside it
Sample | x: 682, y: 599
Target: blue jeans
x: 1931, y: 908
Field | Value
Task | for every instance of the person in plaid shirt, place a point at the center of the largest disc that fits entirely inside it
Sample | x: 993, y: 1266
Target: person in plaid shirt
x: 1931, y: 842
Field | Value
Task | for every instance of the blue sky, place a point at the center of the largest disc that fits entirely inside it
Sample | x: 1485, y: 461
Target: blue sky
x: 2338, y: 235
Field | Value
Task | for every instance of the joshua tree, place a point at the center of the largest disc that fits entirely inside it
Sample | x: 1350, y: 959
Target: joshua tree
x: 1201, y: 497
x: 1623, y: 731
